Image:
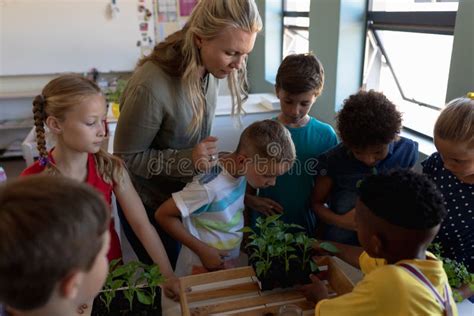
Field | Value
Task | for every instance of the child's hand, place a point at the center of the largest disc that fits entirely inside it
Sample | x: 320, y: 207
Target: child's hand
x: 212, y: 258
x: 463, y: 292
x: 171, y: 288
x: 263, y: 205
x: 316, y: 291
x: 348, y: 220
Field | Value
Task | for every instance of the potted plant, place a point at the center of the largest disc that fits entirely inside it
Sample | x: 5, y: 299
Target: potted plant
x: 281, y: 253
x: 130, y: 289
x: 457, y: 272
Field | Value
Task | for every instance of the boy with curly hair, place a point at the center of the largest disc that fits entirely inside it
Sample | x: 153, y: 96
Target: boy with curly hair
x: 368, y: 125
x: 398, y: 215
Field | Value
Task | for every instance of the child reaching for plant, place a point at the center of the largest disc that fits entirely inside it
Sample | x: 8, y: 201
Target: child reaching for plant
x: 74, y: 110
x: 397, y: 217
x: 299, y: 82
x: 53, y: 252
x: 211, y: 206
x: 368, y: 125
x: 452, y: 169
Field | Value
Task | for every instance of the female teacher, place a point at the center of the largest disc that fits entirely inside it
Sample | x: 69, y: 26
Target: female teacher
x: 167, y: 109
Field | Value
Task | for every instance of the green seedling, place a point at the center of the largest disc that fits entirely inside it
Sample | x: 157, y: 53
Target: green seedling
x: 133, y: 278
x: 276, y: 241
x: 457, y: 273
x: 111, y: 285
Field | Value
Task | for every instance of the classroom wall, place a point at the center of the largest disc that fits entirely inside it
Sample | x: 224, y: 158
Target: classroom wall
x: 268, y: 40
x: 45, y: 36
x: 461, y: 73
x: 337, y: 37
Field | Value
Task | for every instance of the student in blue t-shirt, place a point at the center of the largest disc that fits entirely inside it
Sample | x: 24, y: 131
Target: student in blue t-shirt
x: 368, y: 125
x: 299, y: 82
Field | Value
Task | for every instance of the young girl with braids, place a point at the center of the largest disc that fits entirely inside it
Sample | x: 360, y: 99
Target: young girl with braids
x: 452, y: 169
x: 74, y: 110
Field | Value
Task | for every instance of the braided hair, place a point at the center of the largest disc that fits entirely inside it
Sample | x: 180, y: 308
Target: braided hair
x: 39, y: 118
x: 56, y: 99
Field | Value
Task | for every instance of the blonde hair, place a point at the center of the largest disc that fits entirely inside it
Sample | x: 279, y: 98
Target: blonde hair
x: 57, y: 98
x: 179, y: 56
x: 267, y: 139
x: 456, y: 122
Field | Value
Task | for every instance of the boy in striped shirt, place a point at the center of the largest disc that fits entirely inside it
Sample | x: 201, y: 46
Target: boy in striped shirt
x: 207, y: 214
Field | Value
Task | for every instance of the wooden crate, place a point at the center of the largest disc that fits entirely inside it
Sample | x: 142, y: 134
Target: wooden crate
x: 237, y: 292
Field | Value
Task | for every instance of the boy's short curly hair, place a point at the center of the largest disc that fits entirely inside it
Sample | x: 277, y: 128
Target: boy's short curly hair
x: 368, y: 119
x: 404, y: 198
x: 300, y: 73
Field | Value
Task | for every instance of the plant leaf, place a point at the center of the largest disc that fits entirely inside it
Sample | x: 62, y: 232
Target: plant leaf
x: 116, y: 284
x: 260, y: 267
x: 295, y: 226
x: 328, y: 247
x: 314, y: 267
x: 245, y: 230
x: 144, y: 298
x: 273, y: 218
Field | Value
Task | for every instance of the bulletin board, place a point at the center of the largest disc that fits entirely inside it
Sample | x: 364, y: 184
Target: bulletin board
x: 55, y: 36
x: 171, y: 15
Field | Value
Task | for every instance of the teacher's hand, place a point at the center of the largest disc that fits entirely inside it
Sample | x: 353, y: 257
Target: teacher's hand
x: 205, y: 154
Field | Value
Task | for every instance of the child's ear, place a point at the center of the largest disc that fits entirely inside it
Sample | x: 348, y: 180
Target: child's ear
x: 198, y: 41
x: 69, y: 286
x: 241, y: 159
x: 377, y: 245
x: 54, y: 125
x: 277, y: 91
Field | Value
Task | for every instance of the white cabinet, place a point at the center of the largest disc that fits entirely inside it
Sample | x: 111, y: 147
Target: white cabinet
x: 225, y: 126
x: 16, y: 120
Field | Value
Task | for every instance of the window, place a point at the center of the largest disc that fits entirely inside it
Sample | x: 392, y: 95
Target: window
x: 408, y: 54
x: 295, y: 26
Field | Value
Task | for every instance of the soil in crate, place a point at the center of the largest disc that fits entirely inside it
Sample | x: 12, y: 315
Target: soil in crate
x: 121, y: 307
x: 277, y: 277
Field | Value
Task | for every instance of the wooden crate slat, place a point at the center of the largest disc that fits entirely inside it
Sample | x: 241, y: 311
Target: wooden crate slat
x: 262, y: 299
x: 307, y: 307
x: 303, y: 303
x: 338, y: 279
x: 235, y: 289
x: 217, y: 276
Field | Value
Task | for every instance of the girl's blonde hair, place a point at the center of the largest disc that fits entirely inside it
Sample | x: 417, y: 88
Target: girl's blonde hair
x: 456, y: 122
x: 57, y: 98
x: 179, y: 56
